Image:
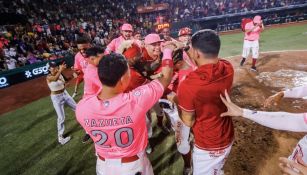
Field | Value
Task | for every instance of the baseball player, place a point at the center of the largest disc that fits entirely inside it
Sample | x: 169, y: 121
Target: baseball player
x: 80, y: 64
x: 182, y: 66
x: 201, y: 106
x: 132, y: 52
x: 282, y: 121
x: 92, y: 84
x: 83, y: 43
x: 184, y: 36
x: 126, y: 31
x: 137, y: 35
x: 143, y: 63
x: 165, y: 33
x: 251, y: 40
x: 59, y: 97
x: 116, y: 120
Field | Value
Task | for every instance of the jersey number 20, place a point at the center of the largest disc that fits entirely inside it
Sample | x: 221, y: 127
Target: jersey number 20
x: 117, y: 137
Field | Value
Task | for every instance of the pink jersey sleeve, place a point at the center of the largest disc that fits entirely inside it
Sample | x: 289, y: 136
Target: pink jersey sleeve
x: 77, y: 64
x: 148, y: 94
x: 253, y: 35
x: 111, y: 46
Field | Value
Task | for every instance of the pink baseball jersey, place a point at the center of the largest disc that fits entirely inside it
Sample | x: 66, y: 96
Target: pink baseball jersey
x: 92, y: 84
x: 117, y: 125
x: 114, y: 44
x: 80, y: 62
x: 253, y: 35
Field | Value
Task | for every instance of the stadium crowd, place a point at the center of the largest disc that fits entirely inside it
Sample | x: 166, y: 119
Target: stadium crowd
x: 53, y: 26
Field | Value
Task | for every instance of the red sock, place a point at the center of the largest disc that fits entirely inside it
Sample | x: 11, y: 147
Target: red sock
x: 254, y: 62
x: 187, y: 159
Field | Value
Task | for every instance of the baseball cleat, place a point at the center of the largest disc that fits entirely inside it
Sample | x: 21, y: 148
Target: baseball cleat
x: 253, y: 68
x: 63, y: 140
x: 187, y: 171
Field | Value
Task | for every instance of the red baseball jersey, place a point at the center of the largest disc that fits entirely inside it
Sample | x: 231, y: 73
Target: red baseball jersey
x: 200, y: 93
x: 136, y: 80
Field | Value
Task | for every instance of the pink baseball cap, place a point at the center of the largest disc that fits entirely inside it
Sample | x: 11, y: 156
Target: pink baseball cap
x: 257, y: 19
x: 152, y: 38
x: 127, y: 27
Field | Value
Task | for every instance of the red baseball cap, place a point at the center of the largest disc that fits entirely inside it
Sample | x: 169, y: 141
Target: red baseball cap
x: 152, y: 38
x: 257, y: 19
x: 185, y: 31
x: 126, y: 27
x: 132, y: 51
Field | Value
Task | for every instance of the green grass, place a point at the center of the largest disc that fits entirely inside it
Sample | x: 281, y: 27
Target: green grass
x: 285, y: 38
x: 29, y: 140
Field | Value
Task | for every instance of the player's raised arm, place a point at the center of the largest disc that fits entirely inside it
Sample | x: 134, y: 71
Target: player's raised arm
x: 167, y: 64
x: 275, y: 120
x: 55, y: 77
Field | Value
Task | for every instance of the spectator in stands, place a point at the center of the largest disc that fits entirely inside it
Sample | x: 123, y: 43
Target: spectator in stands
x: 10, y: 63
x: 22, y: 60
x: 60, y: 22
x: 32, y: 58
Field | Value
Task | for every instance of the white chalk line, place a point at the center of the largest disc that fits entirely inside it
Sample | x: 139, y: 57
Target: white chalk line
x: 273, y: 51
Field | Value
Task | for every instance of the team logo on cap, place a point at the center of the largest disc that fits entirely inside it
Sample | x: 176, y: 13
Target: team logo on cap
x: 106, y: 103
x: 137, y: 93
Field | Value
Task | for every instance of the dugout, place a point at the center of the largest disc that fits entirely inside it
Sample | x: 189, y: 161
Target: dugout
x: 279, y: 15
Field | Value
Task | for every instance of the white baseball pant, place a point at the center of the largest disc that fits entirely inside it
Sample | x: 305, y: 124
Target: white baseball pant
x: 209, y: 162
x: 58, y: 101
x: 115, y: 167
x: 182, y: 131
x: 248, y: 45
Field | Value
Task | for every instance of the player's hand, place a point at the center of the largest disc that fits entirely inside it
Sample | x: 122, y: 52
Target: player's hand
x: 62, y: 67
x: 156, y: 76
x: 286, y: 166
x: 232, y: 109
x: 273, y: 100
x: 169, y: 45
x: 179, y: 45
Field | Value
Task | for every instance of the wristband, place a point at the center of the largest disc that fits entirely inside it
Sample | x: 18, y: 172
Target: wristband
x: 167, y: 62
x: 167, y: 54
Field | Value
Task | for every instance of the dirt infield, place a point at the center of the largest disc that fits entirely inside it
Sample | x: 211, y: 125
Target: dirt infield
x: 256, y: 149
x: 21, y: 94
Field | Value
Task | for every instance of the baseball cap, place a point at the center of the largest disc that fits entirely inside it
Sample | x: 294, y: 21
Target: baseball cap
x: 152, y: 38
x: 132, y: 51
x: 185, y: 31
x: 257, y: 19
x: 127, y: 27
